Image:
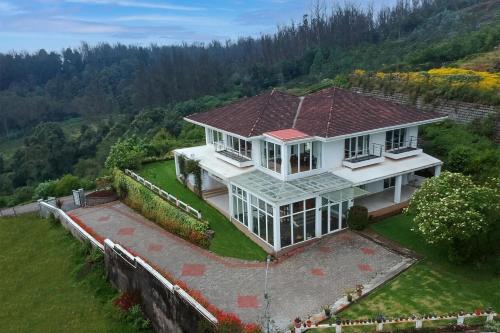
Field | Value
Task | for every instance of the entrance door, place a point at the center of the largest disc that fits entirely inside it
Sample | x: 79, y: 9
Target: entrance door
x: 330, y: 217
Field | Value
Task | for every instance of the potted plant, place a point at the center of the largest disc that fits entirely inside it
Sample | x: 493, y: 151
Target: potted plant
x: 309, y: 322
x: 348, y: 294
x: 338, y: 321
x: 297, y: 322
x: 359, y: 289
x: 380, y: 318
x: 327, y: 310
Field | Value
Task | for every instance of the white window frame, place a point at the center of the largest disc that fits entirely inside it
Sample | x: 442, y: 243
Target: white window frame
x: 267, y: 216
x: 300, y: 147
x: 354, y: 149
x: 264, y: 153
x: 241, y: 194
x: 290, y: 216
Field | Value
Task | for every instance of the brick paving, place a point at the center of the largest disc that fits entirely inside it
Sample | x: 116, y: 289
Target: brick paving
x: 298, y: 285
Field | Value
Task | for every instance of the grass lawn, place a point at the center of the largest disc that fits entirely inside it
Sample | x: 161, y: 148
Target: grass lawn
x: 39, y: 287
x: 228, y: 240
x: 431, y: 286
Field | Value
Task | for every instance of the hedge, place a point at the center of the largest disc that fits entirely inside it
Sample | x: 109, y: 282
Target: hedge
x: 163, y: 213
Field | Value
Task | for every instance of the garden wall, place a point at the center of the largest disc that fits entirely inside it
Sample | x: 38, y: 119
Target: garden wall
x: 460, y: 112
x: 169, y: 308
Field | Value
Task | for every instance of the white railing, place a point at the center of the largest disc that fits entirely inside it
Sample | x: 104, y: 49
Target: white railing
x: 68, y: 223
x: 136, y: 261
x: 164, y: 195
x: 81, y: 234
x: 378, y: 325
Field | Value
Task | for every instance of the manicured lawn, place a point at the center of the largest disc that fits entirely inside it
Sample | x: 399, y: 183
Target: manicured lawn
x: 228, y: 240
x: 431, y: 286
x: 39, y: 287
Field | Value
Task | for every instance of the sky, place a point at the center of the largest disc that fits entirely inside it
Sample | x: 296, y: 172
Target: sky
x: 57, y: 24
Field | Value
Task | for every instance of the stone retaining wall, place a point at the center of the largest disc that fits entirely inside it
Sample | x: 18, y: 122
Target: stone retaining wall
x: 461, y: 112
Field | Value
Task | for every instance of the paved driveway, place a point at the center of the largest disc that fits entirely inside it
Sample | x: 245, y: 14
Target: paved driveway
x: 299, y: 285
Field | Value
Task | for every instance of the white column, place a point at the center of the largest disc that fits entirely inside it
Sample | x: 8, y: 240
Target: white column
x: 176, y: 159
x: 285, y: 160
x: 230, y: 196
x: 276, y: 226
x: 397, y: 189
x: 207, y: 136
x: 250, y: 218
x: 318, y: 216
x: 437, y: 170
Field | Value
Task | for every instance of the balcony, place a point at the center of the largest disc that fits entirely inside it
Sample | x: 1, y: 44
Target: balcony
x: 366, y: 157
x: 232, y: 156
x: 403, y: 149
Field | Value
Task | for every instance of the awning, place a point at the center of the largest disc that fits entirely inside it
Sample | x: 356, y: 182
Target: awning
x: 345, y: 194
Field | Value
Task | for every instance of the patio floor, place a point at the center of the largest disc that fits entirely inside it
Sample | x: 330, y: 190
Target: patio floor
x: 385, y: 198
x: 299, y: 285
x: 220, y: 202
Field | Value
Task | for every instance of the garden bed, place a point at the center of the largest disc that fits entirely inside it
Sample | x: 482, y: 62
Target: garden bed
x: 100, y: 197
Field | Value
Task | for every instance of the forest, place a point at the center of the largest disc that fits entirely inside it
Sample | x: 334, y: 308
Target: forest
x: 138, y: 95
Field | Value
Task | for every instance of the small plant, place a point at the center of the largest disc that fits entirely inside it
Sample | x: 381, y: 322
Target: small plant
x: 327, y: 310
x: 59, y: 203
x: 359, y: 289
x: 348, y: 294
x: 492, y: 326
x: 357, y: 218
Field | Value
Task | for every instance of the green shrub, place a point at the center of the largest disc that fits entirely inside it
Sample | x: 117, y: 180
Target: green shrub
x: 492, y: 326
x: 22, y: 195
x: 45, y: 190
x: 357, y: 218
x: 160, y: 211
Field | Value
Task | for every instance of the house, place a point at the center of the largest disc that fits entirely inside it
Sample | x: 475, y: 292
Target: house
x: 286, y: 169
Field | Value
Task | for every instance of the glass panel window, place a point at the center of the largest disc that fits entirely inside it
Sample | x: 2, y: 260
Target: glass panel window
x: 239, y: 200
x: 262, y: 217
x: 324, y: 220
x: 395, y: 139
x: 345, y: 206
x: 310, y: 224
x: 285, y: 231
x: 303, y: 220
x: 389, y: 182
x: 271, y: 156
x: 270, y: 228
x: 298, y: 228
x: 304, y: 157
x: 334, y: 217
x: 357, y: 146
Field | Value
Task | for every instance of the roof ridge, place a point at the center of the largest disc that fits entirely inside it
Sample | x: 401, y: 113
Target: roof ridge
x: 330, y: 115
x: 298, y: 111
x: 261, y: 112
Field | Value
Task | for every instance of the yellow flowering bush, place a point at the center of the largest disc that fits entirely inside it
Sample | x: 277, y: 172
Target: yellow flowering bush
x: 447, y: 82
x: 452, y: 211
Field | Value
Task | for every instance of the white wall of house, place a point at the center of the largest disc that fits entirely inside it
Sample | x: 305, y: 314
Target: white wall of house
x: 333, y: 154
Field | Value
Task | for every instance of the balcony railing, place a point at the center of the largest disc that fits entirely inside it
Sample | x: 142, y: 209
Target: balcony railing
x: 402, y: 146
x: 221, y: 148
x: 374, y: 150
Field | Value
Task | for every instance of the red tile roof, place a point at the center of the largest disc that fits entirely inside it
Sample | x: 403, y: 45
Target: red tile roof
x: 288, y: 134
x: 328, y: 113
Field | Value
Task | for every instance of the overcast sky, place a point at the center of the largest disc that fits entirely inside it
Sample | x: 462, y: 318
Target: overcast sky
x: 54, y: 24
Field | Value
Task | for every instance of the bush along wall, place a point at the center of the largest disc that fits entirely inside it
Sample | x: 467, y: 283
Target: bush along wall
x: 160, y: 211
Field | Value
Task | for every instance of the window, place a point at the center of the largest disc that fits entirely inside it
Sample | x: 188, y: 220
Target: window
x: 215, y: 137
x: 389, y: 182
x: 239, y: 146
x: 395, y: 139
x: 357, y: 146
x: 262, y: 219
x: 333, y: 216
x: 297, y: 222
x: 270, y: 156
x: 240, y: 205
x: 304, y: 157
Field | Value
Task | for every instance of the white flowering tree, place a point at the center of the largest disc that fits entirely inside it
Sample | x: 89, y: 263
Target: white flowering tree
x: 451, y: 210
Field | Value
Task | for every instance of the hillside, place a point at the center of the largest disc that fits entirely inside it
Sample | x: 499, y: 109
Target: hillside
x: 145, y: 91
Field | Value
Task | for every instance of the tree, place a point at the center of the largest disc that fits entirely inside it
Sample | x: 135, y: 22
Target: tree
x: 452, y: 211
x: 126, y: 154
